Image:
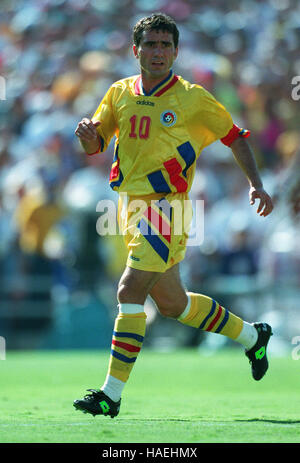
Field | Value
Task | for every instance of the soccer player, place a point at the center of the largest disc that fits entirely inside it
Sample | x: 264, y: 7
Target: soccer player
x: 162, y: 123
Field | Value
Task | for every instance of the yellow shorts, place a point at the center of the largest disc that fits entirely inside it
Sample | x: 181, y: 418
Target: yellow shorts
x: 155, y: 229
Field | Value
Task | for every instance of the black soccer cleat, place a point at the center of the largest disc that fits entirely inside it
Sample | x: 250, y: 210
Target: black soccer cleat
x: 257, y: 355
x: 97, y: 403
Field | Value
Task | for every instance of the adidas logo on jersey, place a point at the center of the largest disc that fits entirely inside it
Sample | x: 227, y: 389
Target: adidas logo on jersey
x: 144, y: 102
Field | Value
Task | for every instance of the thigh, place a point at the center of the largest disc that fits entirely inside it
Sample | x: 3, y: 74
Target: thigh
x: 169, y: 293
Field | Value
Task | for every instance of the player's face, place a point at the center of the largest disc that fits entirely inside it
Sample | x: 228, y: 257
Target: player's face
x: 156, y: 53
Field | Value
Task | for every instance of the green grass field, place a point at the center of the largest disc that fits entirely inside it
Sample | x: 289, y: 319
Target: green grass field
x: 178, y: 397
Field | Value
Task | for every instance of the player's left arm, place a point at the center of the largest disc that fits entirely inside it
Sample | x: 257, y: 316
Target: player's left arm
x: 244, y: 157
x: 218, y: 124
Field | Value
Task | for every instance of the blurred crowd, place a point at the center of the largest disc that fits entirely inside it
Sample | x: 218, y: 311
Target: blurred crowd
x: 58, y: 58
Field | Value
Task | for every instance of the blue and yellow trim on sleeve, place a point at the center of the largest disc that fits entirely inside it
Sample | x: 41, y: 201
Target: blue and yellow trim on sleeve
x: 234, y: 133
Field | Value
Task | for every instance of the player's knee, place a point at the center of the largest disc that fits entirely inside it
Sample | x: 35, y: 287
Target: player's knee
x: 169, y: 308
x: 124, y: 292
x: 167, y: 311
x: 134, y: 286
x: 128, y: 293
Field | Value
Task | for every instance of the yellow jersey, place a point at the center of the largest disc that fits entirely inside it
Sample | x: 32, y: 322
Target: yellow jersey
x: 159, y: 135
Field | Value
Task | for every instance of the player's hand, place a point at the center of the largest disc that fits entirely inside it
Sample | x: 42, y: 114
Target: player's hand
x: 265, y: 206
x: 86, y: 130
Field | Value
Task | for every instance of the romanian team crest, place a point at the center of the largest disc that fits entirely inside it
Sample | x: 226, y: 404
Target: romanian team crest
x: 168, y: 118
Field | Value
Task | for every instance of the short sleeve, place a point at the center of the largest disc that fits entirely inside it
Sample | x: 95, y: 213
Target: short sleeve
x: 209, y: 121
x: 105, y: 115
x: 217, y: 123
x: 234, y: 133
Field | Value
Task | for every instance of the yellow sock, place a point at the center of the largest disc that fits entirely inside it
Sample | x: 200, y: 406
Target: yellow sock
x: 208, y: 315
x: 128, y: 336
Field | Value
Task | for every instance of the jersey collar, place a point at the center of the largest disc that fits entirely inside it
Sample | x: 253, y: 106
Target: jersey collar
x: 159, y: 89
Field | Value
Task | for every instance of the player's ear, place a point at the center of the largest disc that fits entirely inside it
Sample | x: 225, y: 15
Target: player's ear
x: 135, y: 51
x: 176, y: 53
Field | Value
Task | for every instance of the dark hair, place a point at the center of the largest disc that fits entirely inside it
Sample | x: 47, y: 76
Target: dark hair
x: 158, y: 22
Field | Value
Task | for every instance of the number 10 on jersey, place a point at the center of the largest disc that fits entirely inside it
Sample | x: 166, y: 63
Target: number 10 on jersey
x: 140, y: 127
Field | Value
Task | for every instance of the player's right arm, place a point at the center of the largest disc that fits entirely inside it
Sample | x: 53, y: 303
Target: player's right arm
x: 88, y: 136
x: 95, y: 134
